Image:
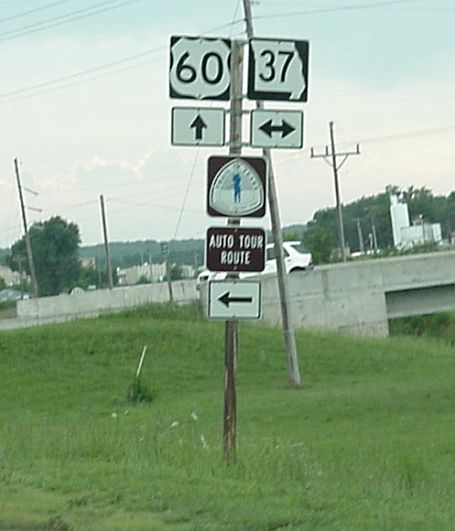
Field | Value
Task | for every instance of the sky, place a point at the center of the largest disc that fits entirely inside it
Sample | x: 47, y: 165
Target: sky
x: 85, y: 108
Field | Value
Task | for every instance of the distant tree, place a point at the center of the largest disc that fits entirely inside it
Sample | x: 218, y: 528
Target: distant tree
x: 292, y: 236
x: 320, y: 241
x: 89, y: 276
x: 55, y: 245
x: 176, y: 273
x: 2, y: 283
x: 93, y: 276
x: 143, y: 280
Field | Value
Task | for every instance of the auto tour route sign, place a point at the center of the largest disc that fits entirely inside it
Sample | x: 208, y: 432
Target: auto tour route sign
x: 235, y: 249
x: 236, y: 186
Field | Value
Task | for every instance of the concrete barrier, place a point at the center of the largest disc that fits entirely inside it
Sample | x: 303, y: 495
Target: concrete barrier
x: 93, y: 303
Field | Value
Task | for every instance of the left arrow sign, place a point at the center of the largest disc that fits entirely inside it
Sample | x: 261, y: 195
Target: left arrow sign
x: 226, y: 299
x: 198, y: 125
x: 234, y: 299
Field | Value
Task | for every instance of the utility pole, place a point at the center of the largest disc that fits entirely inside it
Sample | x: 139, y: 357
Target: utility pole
x: 283, y: 285
x: 28, y: 244
x: 150, y: 266
x: 169, y: 280
x: 165, y: 253
x: 360, y: 236
x: 106, y: 245
x: 231, y: 327
x: 98, y: 273
x: 331, y: 158
x: 375, y: 238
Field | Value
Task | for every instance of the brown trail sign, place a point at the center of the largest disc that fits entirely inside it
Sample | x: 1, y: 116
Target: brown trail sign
x: 235, y: 249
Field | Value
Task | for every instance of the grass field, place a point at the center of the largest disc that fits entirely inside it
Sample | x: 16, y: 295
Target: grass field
x: 7, y: 310
x: 367, y: 443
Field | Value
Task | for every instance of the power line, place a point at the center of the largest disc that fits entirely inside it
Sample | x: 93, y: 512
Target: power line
x: 193, y: 169
x: 190, y: 180
x: 76, y: 83
x: 81, y: 73
x: 86, y: 11
x: 372, y: 140
x: 32, y: 11
x: 350, y: 7
x: 28, y: 92
x: 65, y: 19
x: 408, y: 134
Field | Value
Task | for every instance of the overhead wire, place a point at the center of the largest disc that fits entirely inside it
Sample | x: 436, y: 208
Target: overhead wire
x: 193, y: 169
x: 33, y: 11
x: 65, y: 19
x: 56, y: 84
x: 349, y: 7
x: 72, y: 78
x: 371, y: 140
x: 80, y: 73
x: 49, y: 86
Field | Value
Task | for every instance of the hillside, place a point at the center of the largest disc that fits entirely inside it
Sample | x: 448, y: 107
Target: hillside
x: 126, y: 254
x: 367, y: 443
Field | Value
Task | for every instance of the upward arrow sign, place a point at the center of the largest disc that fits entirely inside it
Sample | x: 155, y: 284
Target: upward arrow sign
x: 198, y: 125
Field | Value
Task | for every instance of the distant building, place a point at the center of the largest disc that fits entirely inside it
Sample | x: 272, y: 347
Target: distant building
x: 131, y: 275
x: 88, y: 262
x: 150, y: 272
x: 188, y: 271
x: 10, y: 277
x: 405, y: 235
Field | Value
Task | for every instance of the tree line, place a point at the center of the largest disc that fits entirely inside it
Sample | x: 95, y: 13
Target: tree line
x: 373, y: 216
x: 57, y: 252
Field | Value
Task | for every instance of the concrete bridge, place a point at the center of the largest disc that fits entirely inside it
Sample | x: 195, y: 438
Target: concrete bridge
x: 359, y: 297
x: 356, y: 297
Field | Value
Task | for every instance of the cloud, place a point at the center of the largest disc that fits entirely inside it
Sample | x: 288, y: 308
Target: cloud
x: 101, y: 176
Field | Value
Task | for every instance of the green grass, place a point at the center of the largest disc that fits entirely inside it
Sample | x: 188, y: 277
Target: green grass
x: 438, y: 325
x: 8, y: 310
x: 367, y: 443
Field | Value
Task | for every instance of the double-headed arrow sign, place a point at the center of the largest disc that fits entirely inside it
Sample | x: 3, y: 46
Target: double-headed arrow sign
x: 285, y: 128
x: 276, y: 129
